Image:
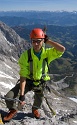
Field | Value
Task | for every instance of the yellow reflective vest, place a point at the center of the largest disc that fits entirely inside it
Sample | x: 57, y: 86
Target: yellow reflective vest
x: 49, y: 53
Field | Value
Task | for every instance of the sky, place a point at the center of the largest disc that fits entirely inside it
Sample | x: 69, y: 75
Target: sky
x: 41, y: 5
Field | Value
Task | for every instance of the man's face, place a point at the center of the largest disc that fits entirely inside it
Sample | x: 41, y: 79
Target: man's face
x: 37, y: 44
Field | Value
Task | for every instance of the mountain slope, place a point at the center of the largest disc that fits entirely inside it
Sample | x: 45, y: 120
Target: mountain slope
x: 18, y: 18
x: 11, y: 47
x: 11, y: 43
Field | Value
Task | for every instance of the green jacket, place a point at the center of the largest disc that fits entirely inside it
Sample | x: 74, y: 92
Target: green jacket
x: 50, y: 53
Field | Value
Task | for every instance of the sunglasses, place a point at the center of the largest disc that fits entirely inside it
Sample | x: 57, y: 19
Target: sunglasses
x: 37, y: 41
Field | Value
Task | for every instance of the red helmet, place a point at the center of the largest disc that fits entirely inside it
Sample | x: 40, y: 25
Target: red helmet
x: 37, y: 33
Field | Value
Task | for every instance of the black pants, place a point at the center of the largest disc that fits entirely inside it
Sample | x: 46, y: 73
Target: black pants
x: 15, y: 93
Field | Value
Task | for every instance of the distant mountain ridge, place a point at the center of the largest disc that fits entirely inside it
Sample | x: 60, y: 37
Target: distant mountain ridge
x: 16, y: 18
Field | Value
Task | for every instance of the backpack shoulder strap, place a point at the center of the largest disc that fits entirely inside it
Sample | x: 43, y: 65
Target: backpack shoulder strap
x: 29, y: 55
x: 30, y: 60
x: 45, y: 61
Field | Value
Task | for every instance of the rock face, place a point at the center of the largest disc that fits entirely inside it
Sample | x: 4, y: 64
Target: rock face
x: 65, y: 109
x: 11, y: 46
x: 10, y: 42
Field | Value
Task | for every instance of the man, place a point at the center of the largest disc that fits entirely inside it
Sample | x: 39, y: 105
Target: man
x: 33, y: 73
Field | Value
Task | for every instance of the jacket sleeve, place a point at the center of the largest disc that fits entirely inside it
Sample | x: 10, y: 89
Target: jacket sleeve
x: 24, y: 66
x: 53, y: 54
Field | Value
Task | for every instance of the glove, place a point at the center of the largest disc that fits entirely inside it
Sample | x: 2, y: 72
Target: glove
x: 22, y: 98
x: 48, y: 88
x: 46, y: 38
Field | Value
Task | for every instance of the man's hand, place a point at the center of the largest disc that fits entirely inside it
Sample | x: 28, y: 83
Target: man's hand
x: 46, y: 38
x: 22, y: 99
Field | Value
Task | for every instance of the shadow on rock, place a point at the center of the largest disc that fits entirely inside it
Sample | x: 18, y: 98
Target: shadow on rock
x: 3, y: 113
x: 23, y: 116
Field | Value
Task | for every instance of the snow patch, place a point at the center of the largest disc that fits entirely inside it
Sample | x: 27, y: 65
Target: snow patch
x: 7, y: 66
x: 75, y: 121
x: 2, y: 74
x: 73, y: 99
x: 14, y: 58
x: 57, y: 98
x: 10, y: 86
x: 8, y: 42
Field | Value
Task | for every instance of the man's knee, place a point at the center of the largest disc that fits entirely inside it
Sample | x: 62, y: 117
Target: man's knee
x: 10, y: 94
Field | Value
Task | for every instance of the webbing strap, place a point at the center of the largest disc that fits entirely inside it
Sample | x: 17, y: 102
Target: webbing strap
x: 31, y: 63
x: 43, y: 66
